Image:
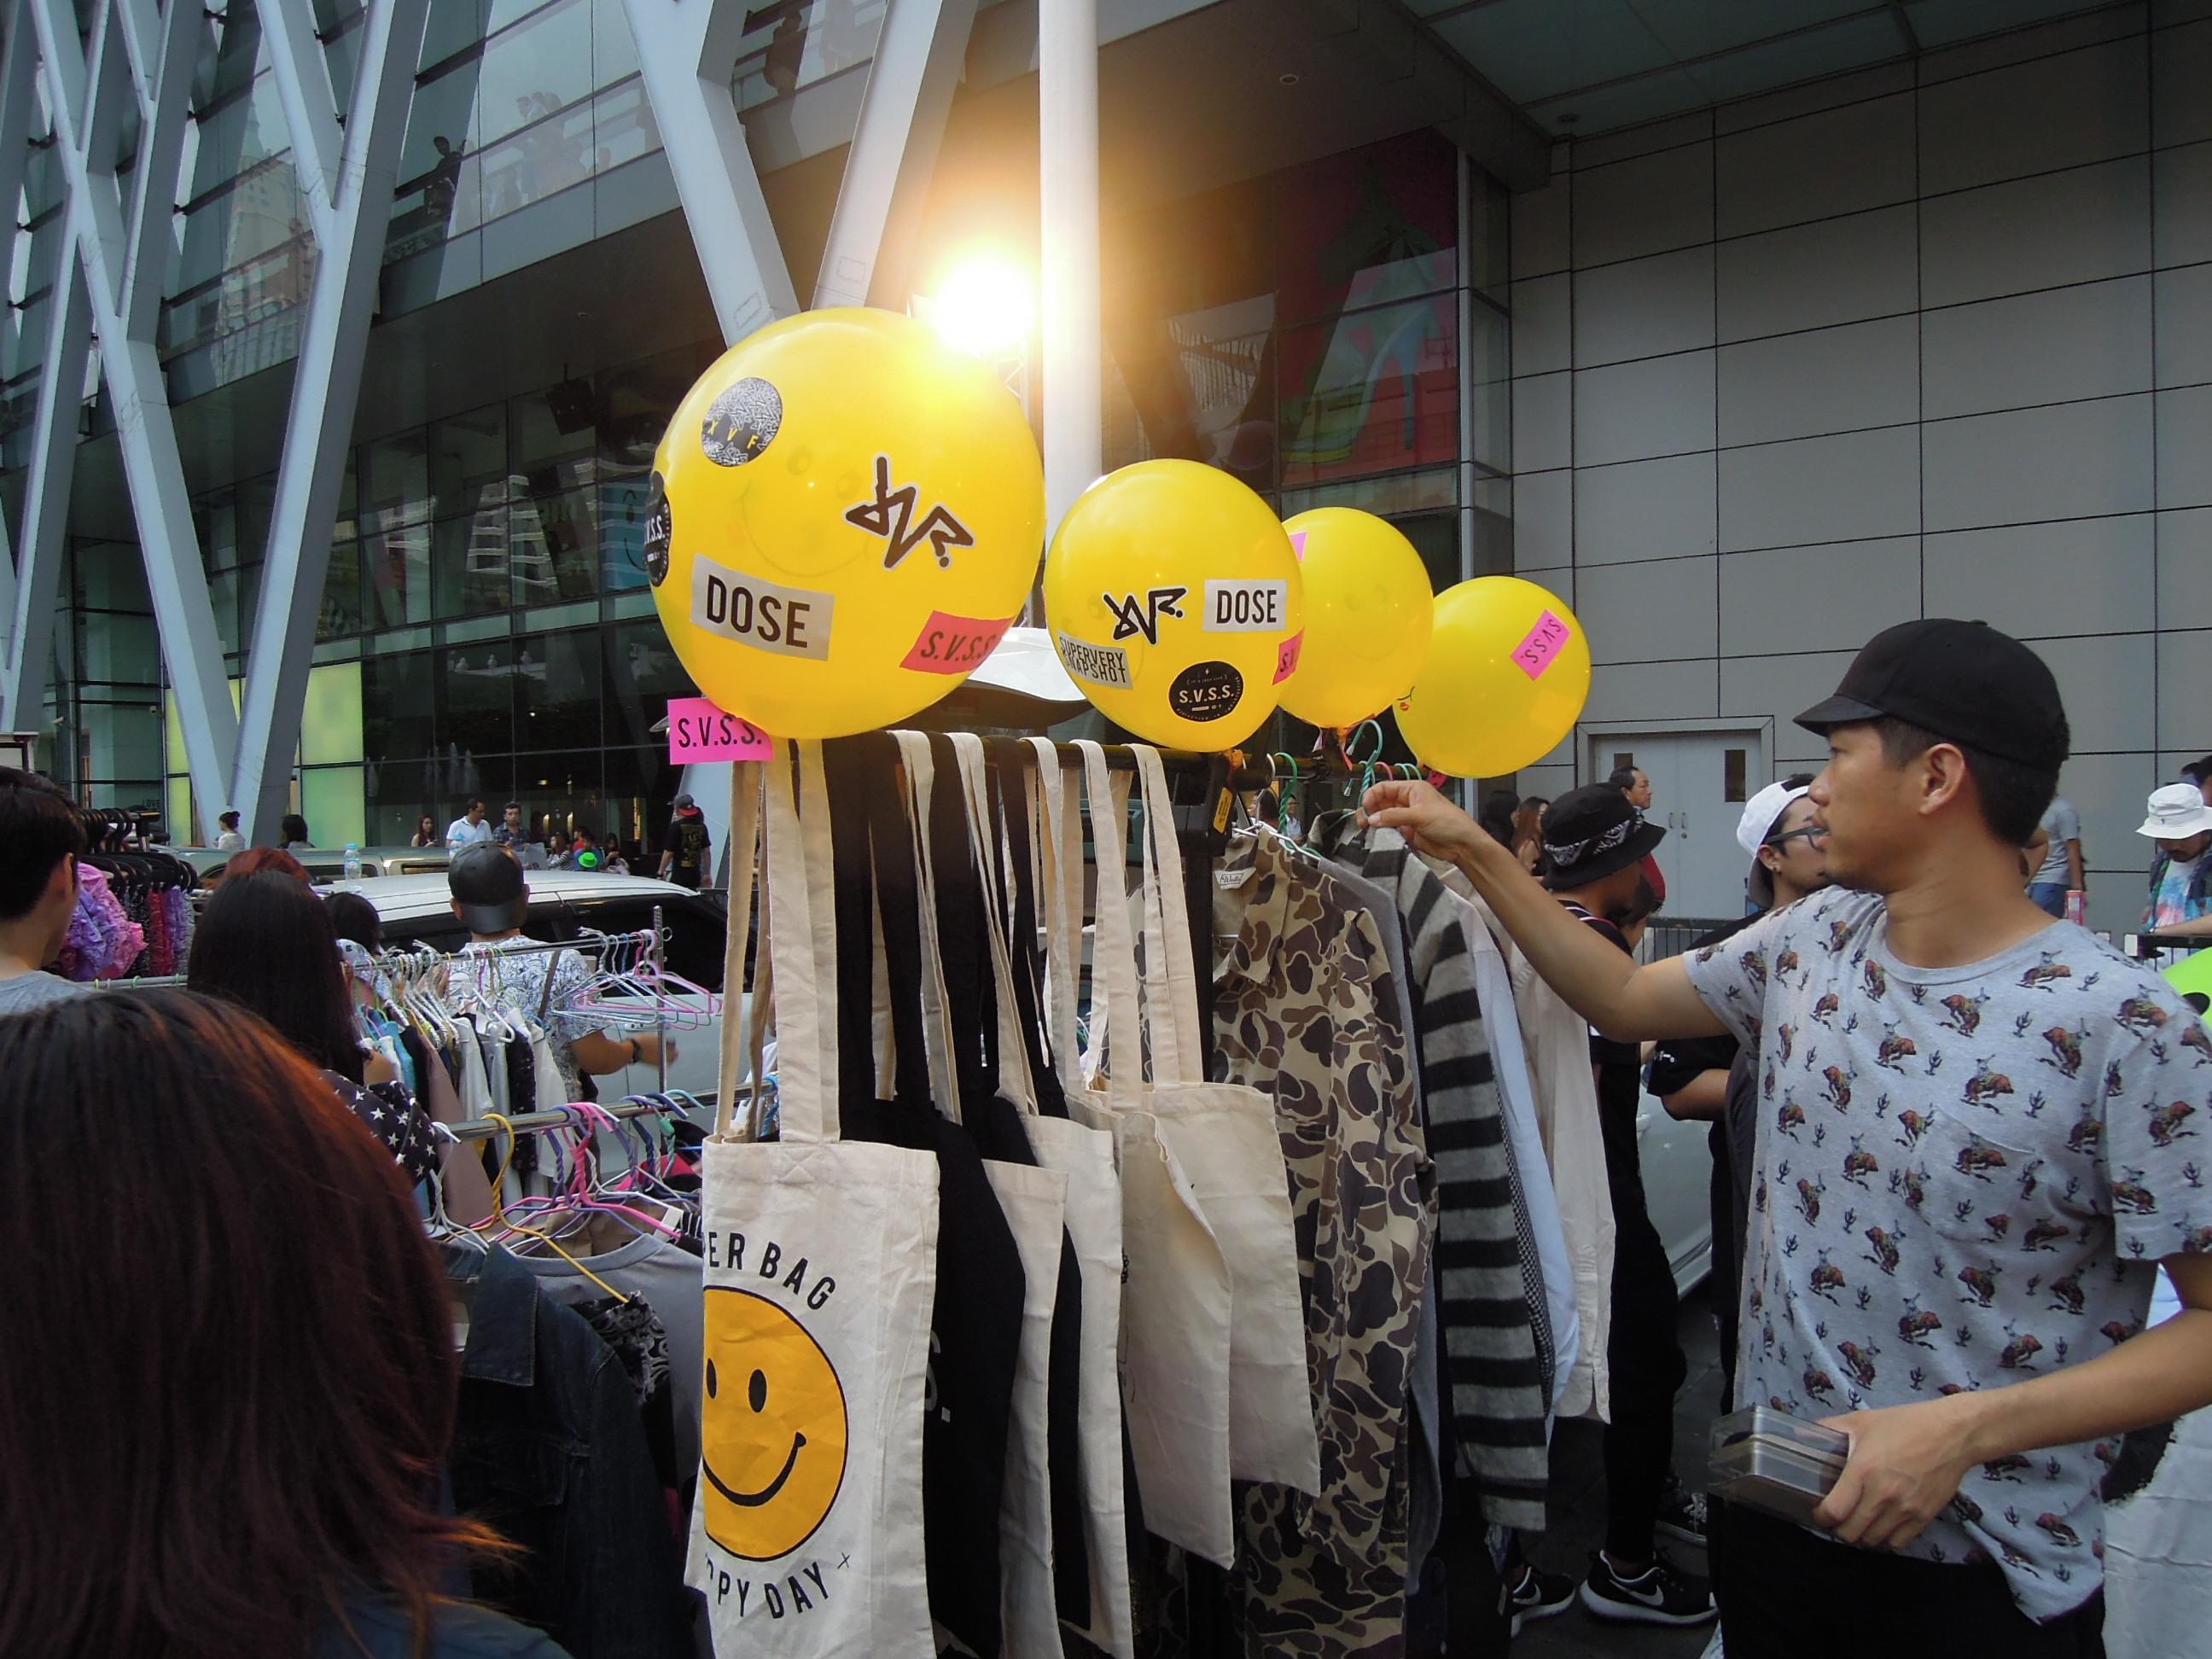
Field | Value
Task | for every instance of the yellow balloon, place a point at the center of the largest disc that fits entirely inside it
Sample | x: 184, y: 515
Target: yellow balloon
x: 847, y: 513
x: 1368, y: 613
x: 1507, y: 674
x: 1175, y: 603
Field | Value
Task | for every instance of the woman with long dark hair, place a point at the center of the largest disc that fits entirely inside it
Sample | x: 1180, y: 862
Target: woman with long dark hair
x: 266, y: 942
x: 426, y: 833
x: 256, y: 1470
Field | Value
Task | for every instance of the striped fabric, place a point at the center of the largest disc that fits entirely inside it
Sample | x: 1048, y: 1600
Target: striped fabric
x: 1497, y: 1343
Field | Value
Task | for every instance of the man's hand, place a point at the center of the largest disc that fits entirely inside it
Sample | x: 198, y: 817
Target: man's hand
x: 1907, y: 1464
x: 1432, y: 822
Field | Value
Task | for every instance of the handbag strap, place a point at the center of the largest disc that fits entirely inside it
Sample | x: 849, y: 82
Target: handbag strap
x: 1013, y: 801
x: 921, y: 787
x: 806, y: 1069
x: 1170, y: 970
x: 1015, y: 1081
x: 1059, y: 849
x: 743, y: 850
x: 1114, y: 988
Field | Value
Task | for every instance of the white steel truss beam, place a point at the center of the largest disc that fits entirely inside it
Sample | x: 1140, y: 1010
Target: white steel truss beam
x: 685, y: 50
x: 917, y: 67
x: 84, y: 101
x: 350, y: 225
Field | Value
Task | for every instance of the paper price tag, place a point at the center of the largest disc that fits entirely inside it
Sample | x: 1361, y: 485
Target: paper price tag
x: 1544, y: 641
x: 698, y: 730
x: 1286, y: 656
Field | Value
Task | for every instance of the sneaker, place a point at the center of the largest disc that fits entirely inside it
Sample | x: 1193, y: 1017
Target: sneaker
x: 1536, y: 1596
x: 1684, y: 1515
x: 1658, y: 1595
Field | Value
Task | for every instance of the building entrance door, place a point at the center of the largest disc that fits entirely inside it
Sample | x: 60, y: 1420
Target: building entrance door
x: 1700, y: 782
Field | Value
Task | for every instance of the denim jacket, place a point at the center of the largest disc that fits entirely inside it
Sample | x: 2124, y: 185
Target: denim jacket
x: 550, y: 1450
x: 374, y: 1629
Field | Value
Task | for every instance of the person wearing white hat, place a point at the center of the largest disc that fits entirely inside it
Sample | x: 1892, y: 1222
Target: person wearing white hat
x: 2181, y: 823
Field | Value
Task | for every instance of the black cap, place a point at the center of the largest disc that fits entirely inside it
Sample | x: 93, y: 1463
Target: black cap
x: 1591, y: 832
x: 1963, y: 681
x: 487, y: 880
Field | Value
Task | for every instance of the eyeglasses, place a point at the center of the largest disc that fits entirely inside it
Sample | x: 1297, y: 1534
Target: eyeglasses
x: 1811, y: 832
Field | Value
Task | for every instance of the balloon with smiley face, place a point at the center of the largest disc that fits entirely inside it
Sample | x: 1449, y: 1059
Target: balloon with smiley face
x: 847, y: 513
x: 772, y: 1428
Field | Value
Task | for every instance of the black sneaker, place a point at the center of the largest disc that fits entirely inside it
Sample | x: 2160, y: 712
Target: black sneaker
x: 1536, y: 1596
x: 1658, y: 1595
x: 1685, y: 1515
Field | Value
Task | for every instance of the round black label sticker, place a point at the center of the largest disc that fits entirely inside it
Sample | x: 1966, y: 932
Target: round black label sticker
x: 742, y: 422
x: 659, y: 531
x: 1205, y: 691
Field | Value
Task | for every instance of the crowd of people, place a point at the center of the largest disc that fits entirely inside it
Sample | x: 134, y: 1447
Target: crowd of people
x: 1951, y: 1150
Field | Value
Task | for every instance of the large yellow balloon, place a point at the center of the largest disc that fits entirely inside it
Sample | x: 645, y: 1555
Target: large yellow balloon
x: 1368, y: 613
x: 1507, y: 674
x: 1175, y: 603
x: 847, y: 514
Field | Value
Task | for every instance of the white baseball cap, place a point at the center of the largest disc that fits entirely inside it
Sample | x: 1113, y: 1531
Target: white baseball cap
x: 1763, y: 813
x: 2177, y: 812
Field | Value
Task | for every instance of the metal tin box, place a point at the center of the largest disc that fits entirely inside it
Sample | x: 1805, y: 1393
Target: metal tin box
x: 1775, y: 1463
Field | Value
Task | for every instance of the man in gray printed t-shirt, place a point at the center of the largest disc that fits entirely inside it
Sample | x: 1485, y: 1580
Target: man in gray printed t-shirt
x: 38, y: 889
x: 1979, y: 1135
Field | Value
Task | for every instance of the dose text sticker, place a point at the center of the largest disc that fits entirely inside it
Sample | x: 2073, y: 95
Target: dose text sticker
x: 953, y: 645
x: 1246, y: 607
x: 1545, y: 640
x: 791, y: 622
x: 1286, y: 656
x: 698, y: 730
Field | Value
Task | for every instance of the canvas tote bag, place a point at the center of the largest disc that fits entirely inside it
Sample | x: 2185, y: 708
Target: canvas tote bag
x: 1175, y: 1295
x: 1084, y: 1154
x: 1226, y: 1139
x: 820, y: 1270
x: 1034, y: 1199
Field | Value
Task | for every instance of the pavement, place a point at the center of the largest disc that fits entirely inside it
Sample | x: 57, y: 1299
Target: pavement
x: 1578, y: 1513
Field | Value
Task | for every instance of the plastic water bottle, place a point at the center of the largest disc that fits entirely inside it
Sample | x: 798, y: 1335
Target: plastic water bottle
x: 2077, y: 907
x: 352, y: 861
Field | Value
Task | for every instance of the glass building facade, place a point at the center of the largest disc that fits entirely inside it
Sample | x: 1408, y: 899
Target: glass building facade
x: 1332, y: 331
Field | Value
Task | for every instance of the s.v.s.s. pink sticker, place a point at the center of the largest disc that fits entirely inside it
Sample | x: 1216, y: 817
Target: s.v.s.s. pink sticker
x: 698, y: 730
x: 1544, y: 641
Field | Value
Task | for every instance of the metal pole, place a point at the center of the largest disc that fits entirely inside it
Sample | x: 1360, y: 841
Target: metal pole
x: 1068, y: 113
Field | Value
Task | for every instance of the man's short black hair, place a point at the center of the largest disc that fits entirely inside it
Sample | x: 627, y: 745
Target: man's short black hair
x: 40, y: 828
x: 2014, y: 797
x: 473, y: 800
x: 1622, y: 778
x: 511, y: 806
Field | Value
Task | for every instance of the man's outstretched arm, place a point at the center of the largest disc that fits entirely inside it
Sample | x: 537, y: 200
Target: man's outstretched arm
x: 1626, y: 1002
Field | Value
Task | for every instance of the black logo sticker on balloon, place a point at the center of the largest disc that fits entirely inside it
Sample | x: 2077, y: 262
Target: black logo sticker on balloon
x: 1132, y: 616
x: 890, y: 515
x: 743, y: 420
x: 1206, y: 690
x: 660, y: 532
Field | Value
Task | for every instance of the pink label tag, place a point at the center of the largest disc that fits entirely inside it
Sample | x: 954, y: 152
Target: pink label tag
x: 1299, y: 544
x: 1286, y: 656
x: 1437, y: 779
x: 698, y: 730
x: 954, y: 645
x: 1544, y: 641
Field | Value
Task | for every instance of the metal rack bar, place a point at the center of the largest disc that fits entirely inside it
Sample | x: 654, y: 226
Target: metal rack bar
x: 479, y: 1128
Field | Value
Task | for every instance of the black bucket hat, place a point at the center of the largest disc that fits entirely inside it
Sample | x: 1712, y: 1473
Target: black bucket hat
x: 1591, y: 832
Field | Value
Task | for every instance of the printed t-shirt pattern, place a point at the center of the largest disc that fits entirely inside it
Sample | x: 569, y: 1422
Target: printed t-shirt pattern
x: 1965, y: 1178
